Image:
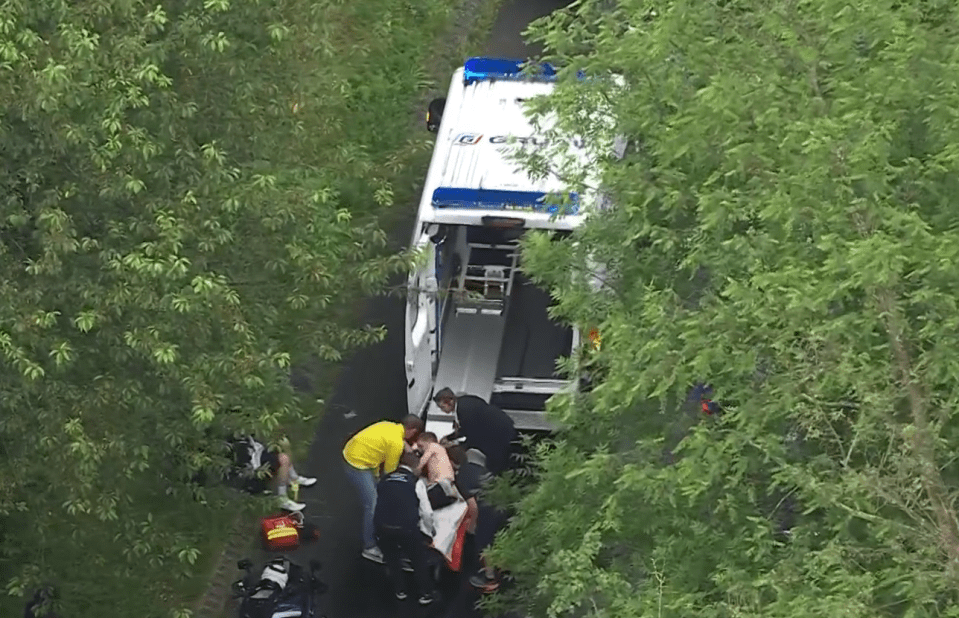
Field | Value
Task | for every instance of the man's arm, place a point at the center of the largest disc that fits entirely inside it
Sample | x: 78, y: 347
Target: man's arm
x: 449, y: 440
x: 393, y: 452
x: 456, y: 437
x: 424, y: 460
x: 426, y: 509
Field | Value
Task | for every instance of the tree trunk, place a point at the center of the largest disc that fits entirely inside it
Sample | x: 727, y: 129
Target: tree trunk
x: 921, y: 441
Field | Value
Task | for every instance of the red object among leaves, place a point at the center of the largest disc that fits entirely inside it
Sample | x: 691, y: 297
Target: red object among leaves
x: 710, y: 407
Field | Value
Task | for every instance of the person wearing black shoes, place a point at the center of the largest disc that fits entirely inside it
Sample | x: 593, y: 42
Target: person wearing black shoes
x: 403, y: 520
x: 471, y: 477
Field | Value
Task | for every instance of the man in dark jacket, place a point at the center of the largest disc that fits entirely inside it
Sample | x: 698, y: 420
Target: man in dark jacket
x: 484, y: 426
x: 401, y: 514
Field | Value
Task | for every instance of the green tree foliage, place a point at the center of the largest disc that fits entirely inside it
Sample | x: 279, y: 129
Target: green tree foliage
x: 190, y: 191
x: 784, y: 228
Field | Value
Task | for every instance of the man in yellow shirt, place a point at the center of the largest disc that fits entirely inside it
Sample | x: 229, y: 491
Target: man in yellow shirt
x: 373, y: 451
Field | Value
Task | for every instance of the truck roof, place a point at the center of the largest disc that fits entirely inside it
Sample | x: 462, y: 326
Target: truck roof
x: 473, y: 173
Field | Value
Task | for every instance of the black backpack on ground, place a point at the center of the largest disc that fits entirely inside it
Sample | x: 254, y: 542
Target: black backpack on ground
x: 246, y: 453
x: 263, y: 599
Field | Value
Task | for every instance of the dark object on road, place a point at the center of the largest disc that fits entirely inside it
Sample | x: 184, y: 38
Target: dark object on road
x: 434, y: 115
x: 282, y: 588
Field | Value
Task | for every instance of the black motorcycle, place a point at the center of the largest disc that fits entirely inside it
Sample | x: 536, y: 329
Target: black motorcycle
x: 283, y: 589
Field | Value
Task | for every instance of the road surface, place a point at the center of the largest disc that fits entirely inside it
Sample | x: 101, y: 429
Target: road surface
x: 370, y: 388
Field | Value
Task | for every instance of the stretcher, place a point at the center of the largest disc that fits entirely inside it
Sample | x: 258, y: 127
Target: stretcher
x: 450, y: 533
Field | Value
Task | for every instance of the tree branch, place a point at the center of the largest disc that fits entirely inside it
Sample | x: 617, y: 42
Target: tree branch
x: 920, y: 439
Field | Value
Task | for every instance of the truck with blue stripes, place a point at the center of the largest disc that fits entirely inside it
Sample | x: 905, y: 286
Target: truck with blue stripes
x: 474, y: 321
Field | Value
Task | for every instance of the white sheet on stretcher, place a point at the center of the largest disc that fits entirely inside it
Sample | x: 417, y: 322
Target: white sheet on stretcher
x: 447, y: 520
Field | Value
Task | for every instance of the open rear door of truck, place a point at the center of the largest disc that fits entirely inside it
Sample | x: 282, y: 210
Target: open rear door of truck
x: 421, y: 335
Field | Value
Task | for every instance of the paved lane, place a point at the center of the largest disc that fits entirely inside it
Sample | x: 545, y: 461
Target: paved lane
x: 372, y: 387
x: 506, y: 38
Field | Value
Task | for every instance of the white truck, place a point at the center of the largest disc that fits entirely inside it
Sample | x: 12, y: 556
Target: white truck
x: 474, y: 322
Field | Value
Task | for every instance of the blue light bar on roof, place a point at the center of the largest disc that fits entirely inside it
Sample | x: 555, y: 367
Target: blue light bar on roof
x: 488, y: 69
x: 492, y: 199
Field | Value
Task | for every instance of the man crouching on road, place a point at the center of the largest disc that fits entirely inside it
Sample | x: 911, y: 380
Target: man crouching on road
x: 404, y: 526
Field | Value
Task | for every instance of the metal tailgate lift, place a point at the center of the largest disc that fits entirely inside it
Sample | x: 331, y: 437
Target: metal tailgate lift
x: 485, y: 285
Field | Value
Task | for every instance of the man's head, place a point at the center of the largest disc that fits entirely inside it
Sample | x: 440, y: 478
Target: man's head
x: 413, y: 426
x: 457, y: 455
x: 445, y: 400
x: 427, y: 437
x: 409, y: 459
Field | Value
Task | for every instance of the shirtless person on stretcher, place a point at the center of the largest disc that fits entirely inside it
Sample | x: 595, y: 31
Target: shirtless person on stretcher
x: 439, y: 471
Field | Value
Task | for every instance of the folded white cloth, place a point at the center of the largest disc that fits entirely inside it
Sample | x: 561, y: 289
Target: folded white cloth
x: 448, y: 520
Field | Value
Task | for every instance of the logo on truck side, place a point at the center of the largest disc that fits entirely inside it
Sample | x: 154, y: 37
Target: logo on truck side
x: 468, y: 139
x: 471, y: 139
x: 504, y: 139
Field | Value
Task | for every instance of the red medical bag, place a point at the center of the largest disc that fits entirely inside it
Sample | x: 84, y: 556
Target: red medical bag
x: 282, y: 532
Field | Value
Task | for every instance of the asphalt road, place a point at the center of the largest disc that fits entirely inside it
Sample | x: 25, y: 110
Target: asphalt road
x: 370, y: 388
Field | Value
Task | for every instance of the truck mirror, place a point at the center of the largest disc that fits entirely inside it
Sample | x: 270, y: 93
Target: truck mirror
x: 437, y: 233
x: 434, y: 115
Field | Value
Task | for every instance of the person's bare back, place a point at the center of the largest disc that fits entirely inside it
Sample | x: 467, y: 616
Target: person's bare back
x: 434, y: 460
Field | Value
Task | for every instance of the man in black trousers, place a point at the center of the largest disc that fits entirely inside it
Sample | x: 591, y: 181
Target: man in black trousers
x: 402, y: 518
x: 484, y: 426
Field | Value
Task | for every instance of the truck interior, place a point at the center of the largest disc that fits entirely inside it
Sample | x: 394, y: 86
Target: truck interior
x: 535, y: 341
x: 495, y: 324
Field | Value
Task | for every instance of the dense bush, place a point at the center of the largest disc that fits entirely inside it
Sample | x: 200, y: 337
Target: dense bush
x: 190, y: 201
x: 783, y: 226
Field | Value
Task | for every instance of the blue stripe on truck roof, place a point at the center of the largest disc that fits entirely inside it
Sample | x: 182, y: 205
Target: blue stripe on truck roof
x: 494, y: 199
x: 482, y: 69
